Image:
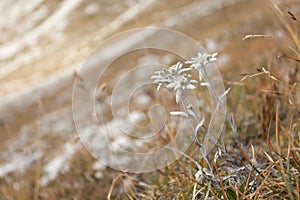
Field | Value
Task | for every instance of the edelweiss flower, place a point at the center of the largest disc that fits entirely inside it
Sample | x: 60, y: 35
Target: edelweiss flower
x: 173, y: 79
x: 201, y: 61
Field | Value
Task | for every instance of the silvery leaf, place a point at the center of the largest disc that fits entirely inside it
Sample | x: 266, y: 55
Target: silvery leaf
x: 204, y: 84
x: 184, y: 70
x: 178, y: 86
x: 171, y: 85
x: 200, y: 124
x: 225, y: 93
x: 178, y: 95
x: 190, y: 87
x: 179, y: 113
x: 159, y: 86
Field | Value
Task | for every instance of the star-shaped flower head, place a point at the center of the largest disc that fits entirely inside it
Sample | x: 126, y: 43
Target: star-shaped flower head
x: 201, y: 61
x: 173, y: 79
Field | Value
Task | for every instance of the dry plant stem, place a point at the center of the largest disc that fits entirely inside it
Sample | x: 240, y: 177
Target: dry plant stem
x: 112, y: 186
x: 203, y: 151
x: 229, y: 117
x: 190, y: 108
x: 280, y: 15
x: 208, y: 190
x: 257, y: 36
x: 239, y: 192
x: 37, y: 180
x: 220, y: 181
x: 185, y: 105
x: 293, y: 16
x: 194, y: 191
x: 259, y: 189
x: 285, y: 174
x: 185, y: 155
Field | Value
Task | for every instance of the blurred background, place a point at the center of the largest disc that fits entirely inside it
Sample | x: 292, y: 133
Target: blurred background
x: 42, y: 45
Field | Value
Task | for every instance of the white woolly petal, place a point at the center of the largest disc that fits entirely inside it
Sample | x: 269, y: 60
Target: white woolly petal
x: 184, y: 70
x: 189, y: 62
x: 214, y: 54
x: 171, y: 85
x: 190, y: 87
x: 178, y: 86
x: 212, y: 59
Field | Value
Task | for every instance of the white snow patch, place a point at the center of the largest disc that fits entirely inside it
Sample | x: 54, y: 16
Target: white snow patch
x: 15, y: 11
x: 18, y: 163
x: 197, y: 8
x: 143, y: 99
x: 120, y: 144
x: 149, y: 58
x: 98, y: 175
x: 126, y: 16
x: 91, y: 9
x: 136, y: 116
x: 53, y: 25
x: 59, y: 163
x: 115, y: 128
x: 97, y: 166
x: 211, y: 45
x: 223, y: 59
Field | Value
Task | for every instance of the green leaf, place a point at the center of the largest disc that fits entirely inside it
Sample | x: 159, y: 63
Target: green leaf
x: 242, y: 188
x: 230, y: 194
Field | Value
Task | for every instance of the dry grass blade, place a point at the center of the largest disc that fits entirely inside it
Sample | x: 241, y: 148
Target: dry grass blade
x: 281, y: 17
x: 109, y: 195
x: 247, y: 37
x: 37, y: 180
x: 293, y: 16
x: 260, y: 188
x: 220, y: 181
x: 288, y: 57
x: 238, y: 192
